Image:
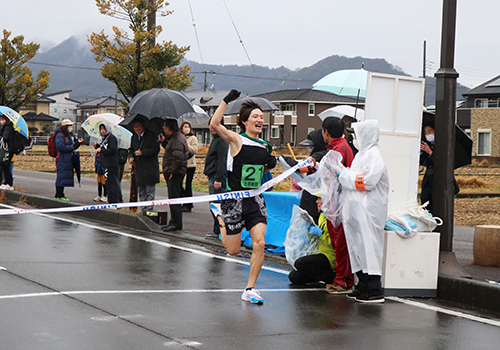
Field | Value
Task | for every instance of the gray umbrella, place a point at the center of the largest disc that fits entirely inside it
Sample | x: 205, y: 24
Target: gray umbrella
x: 264, y: 105
x: 156, y: 105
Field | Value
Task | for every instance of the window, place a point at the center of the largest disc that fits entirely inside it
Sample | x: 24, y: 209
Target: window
x: 293, y: 135
x: 265, y: 134
x: 483, y: 142
x: 311, y: 109
x: 65, y: 111
x: 55, y: 110
x: 275, y: 132
x: 481, y: 103
x: 309, y: 130
x: 289, y: 107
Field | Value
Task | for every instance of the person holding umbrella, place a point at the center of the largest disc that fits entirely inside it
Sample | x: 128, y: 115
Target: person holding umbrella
x: 6, y: 135
x: 248, y: 159
x: 109, y: 153
x: 64, y: 160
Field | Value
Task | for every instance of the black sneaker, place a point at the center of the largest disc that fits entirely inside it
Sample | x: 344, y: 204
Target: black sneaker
x: 354, y: 294
x: 369, y: 298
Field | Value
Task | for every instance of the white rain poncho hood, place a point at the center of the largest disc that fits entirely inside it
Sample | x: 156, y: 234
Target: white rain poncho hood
x: 366, y: 189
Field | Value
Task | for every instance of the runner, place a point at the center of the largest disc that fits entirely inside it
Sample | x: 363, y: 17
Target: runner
x: 248, y: 159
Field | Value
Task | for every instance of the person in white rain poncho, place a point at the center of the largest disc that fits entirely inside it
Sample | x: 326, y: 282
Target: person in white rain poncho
x: 366, y: 189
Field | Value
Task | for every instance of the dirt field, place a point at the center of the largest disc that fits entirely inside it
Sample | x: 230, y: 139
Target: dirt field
x: 483, y: 178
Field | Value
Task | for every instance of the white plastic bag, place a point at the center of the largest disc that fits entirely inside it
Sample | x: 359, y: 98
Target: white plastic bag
x: 324, y: 183
x: 419, y: 215
x: 298, y: 241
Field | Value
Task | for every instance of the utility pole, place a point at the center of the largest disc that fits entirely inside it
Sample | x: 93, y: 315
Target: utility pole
x: 444, y: 151
x: 424, y: 73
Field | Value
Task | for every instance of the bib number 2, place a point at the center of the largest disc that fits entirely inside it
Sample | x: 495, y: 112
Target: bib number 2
x: 251, y: 175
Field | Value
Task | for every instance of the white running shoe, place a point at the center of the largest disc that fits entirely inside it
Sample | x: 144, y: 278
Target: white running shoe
x: 253, y: 296
x: 97, y: 199
x: 104, y: 199
x: 7, y: 188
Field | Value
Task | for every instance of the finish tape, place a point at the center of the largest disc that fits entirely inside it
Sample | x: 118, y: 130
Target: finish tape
x: 197, y: 199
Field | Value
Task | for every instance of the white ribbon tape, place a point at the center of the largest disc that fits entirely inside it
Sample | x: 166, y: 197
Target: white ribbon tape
x: 197, y: 199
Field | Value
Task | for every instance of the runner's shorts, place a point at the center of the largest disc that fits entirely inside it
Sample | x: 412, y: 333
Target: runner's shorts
x: 243, y: 213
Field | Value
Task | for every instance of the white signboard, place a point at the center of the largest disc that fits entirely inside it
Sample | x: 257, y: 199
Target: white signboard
x: 397, y: 102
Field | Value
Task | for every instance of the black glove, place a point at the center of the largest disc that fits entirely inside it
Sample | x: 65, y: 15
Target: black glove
x: 271, y: 162
x: 232, y: 95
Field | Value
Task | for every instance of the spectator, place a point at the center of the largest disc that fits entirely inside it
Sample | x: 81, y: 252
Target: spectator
x: 109, y: 153
x: 192, y: 141
x: 143, y: 151
x: 101, y: 180
x: 215, y: 169
x: 65, y: 147
x: 333, y: 129
x: 174, y: 168
x: 366, y: 189
x: 320, y: 265
x: 6, y: 135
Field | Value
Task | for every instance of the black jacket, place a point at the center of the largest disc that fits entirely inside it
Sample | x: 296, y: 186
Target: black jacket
x: 216, y: 159
x: 109, y: 151
x: 7, y: 133
x: 147, y: 168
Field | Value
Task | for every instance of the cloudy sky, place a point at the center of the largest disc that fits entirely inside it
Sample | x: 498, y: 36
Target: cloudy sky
x: 290, y: 33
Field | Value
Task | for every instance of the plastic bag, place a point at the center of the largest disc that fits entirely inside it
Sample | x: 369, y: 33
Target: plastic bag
x: 299, y: 242
x: 419, y: 215
x: 402, y: 225
x: 324, y: 183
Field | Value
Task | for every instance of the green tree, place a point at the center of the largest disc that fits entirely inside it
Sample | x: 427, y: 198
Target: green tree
x: 17, y: 86
x: 133, y: 62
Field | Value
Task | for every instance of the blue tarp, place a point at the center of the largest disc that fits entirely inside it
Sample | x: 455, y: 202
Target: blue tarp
x: 279, y: 212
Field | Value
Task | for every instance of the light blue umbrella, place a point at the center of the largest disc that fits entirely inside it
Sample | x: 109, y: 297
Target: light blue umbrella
x: 347, y: 82
x: 16, y: 119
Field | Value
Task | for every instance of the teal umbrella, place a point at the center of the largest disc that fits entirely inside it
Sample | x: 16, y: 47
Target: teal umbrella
x: 18, y: 121
x: 347, y: 82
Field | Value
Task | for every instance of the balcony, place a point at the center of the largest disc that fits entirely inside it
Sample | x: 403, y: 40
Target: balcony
x: 279, y: 117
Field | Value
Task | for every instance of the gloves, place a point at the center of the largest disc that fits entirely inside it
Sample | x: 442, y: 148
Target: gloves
x: 315, y: 230
x: 271, y: 162
x: 232, y: 95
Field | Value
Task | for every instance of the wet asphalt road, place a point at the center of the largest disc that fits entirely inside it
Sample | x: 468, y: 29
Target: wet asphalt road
x: 70, y: 285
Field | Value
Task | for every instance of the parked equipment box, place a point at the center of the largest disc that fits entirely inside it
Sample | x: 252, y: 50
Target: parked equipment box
x: 410, y: 266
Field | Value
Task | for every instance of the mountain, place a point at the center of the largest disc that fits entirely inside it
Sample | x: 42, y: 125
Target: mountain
x: 72, y: 67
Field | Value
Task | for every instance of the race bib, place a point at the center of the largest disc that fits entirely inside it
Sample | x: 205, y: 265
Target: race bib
x: 251, y: 175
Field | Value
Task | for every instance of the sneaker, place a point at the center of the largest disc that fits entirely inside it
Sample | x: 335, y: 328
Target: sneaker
x: 64, y: 199
x: 7, y: 188
x: 368, y: 298
x: 104, y: 199
x: 212, y: 235
x: 355, y: 293
x: 337, y: 289
x: 97, y: 199
x: 253, y: 296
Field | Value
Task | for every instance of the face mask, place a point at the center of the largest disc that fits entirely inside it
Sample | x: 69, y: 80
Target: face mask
x: 430, y: 137
x: 70, y: 129
x: 309, y: 148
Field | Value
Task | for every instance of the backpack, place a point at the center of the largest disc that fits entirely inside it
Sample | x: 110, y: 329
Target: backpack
x: 51, y: 144
x: 18, y: 143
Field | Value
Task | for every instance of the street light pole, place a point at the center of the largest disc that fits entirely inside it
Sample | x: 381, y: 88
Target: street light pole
x: 444, y: 151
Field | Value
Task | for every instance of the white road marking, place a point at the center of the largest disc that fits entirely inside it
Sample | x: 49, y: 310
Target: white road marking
x: 229, y: 259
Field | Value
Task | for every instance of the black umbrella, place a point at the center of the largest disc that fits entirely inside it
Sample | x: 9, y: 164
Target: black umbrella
x: 264, y: 105
x: 463, y: 143
x: 156, y: 105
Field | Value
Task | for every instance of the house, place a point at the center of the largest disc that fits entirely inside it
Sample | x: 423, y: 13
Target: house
x: 479, y: 116
x: 105, y: 104
x: 208, y: 100
x: 63, y: 106
x: 39, y: 123
x: 40, y: 105
x: 297, y: 113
